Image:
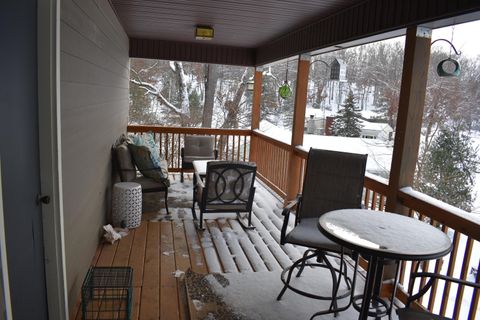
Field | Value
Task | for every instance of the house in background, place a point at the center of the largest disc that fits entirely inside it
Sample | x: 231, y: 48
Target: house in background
x: 376, y: 130
x: 64, y: 98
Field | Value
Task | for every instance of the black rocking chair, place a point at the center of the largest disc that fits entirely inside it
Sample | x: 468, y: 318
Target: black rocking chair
x: 228, y: 187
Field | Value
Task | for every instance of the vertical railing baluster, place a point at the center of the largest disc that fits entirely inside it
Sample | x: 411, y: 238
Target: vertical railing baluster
x: 475, y: 296
x: 160, y: 142
x: 220, y: 149
x: 178, y: 150
x: 463, y: 275
x: 166, y: 148
x: 245, y: 148
x: 233, y: 148
x: 438, y: 268
x: 450, y: 270
x: 381, y: 206
x: 227, y: 149
x: 239, y: 139
x: 366, y: 200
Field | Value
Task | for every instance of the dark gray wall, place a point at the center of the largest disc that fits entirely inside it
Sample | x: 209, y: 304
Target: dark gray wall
x: 94, y: 74
x: 20, y: 158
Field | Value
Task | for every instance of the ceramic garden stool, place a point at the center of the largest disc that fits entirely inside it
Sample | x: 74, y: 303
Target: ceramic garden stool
x: 127, y: 205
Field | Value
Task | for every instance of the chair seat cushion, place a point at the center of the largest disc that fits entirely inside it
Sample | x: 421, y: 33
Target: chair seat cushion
x: 307, y: 234
x: 149, y: 185
x: 412, y: 314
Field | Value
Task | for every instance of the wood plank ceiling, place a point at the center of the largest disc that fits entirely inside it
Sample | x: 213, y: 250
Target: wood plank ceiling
x: 245, y: 24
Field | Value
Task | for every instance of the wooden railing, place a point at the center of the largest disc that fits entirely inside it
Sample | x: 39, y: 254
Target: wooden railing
x: 272, y: 158
x: 232, y: 144
x: 463, y: 228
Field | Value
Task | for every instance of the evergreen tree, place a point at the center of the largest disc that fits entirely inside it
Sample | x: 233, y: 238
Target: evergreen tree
x: 449, y: 169
x: 347, y: 121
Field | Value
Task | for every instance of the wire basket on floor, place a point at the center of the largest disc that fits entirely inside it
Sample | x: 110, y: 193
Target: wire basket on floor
x: 107, y: 293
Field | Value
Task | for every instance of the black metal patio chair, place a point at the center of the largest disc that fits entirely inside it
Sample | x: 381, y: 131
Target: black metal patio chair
x: 429, y: 278
x: 333, y: 180
x: 227, y: 187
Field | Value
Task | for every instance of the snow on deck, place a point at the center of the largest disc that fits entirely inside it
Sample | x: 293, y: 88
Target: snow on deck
x: 227, y: 247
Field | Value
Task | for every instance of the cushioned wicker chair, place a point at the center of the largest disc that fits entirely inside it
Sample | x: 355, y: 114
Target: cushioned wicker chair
x: 124, y: 165
x: 409, y: 313
x: 197, y: 148
x: 333, y: 180
x: 228, y: 187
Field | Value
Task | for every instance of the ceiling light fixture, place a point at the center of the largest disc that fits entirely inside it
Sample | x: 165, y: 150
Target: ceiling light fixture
x: 204, y: 33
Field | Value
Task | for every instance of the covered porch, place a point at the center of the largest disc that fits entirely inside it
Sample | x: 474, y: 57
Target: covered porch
x: 76, y: 56
x: 170, y: 258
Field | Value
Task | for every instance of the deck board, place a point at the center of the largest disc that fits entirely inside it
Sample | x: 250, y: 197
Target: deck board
x: 150, y: 300
x: 168, y: 288
x: 137, y: 254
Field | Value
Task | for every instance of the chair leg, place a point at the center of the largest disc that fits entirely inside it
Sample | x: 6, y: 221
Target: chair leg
x: 244, y: 225
x: 290, y: 271
x: 194, y: 214
x: 181, y: 175
x: 303, y: 262
x: 201, y: 220
x: 335, y: 283
x: 166, y: 202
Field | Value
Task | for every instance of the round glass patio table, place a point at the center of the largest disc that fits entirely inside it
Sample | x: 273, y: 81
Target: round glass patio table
x: 378, y: 235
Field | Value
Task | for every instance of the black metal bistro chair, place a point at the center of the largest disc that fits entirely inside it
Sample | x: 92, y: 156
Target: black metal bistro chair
x: 429, y: 279
x: 197, y: 148
x: 227, y: 187
x: 333, y: 180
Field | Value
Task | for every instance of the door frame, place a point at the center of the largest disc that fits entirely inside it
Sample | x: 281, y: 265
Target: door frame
x: 5, y: 295
x: 48, y: 55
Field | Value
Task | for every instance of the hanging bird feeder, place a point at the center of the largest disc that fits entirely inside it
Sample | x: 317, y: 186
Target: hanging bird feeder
x: 285, y: 91
x: 448, y: 67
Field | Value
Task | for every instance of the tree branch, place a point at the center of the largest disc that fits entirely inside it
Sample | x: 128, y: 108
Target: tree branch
x: 152, y: 90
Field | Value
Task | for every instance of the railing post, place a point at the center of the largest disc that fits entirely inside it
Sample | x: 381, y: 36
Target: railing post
x: 295, y: 163
x: 257, y: 97
x: 410, y: 113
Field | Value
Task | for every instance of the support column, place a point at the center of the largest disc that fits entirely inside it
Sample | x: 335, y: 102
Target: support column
x: 257, y: 97
x: 295, y: 163
x: 410, y: 113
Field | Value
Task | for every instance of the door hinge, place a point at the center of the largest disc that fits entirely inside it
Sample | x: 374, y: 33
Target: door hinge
x: 43, y: 199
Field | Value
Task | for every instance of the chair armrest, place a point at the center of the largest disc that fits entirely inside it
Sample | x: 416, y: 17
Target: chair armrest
x: 199, y: 180
x: 432, y: 275
x: 286, y: 213
x: 428, y: 285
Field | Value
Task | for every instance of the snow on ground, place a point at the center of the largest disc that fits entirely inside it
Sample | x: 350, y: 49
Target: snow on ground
x: 379, y: 151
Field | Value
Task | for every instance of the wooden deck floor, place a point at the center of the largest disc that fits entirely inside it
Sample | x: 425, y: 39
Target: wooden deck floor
x: 163, y: 246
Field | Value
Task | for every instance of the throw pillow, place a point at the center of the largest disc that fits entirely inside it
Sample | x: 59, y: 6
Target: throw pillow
x: 143, y: 160
x: 148, y: 141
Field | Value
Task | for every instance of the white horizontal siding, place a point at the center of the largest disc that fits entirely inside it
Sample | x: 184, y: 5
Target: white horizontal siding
x: 94, y: 73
